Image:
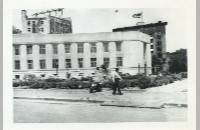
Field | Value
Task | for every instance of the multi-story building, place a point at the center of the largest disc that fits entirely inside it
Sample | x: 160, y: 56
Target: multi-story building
x: 46, y: 54
x: 45, y: 25
x: 158, y: 33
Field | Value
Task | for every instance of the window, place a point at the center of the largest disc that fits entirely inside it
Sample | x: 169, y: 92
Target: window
x: 159, y: 54
x: 42, y: 64
x: 33, y: 30
x: 93, y: 48
x: 80, y: 62
x: 30, y: 64
x: 29, y: 49
x: 29, y: 29
x: 119, y: 61
x: 17, y: 64
x: 118, y: 46
x: 158, y: 36
x: 152, y: 52
x: 55, y: 49
x: 68, y: 63
x: 93, y: 62
x: 159, y: 43
x: 105, y: 47
x: 67, y: 48
x: 42, y: 49
x: 17, y: 76
x: 55, y: 63
x: 159, y: 49
x: 106, y: 62
x: 41, y: 22
x: 151, y: 46
x: 80, y: 48
x: 151, y: 40
x: 17, y: 50
x: 42, y: 29
x: 28, y: 23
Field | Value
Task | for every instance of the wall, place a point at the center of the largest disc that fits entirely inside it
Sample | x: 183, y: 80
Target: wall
x: 135, y: 50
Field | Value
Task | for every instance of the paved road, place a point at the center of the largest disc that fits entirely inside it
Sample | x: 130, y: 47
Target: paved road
x: 33, y: 111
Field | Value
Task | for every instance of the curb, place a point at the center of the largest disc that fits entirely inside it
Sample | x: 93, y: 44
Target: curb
x: 166, y: 105
x: 64, y: 100
x: 103, y: 103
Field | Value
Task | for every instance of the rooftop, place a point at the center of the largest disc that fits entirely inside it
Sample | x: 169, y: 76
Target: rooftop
x: 80, y: 37
x: 159, y: 23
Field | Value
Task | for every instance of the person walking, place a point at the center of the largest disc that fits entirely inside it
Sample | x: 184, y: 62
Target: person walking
x: 116, y: 79
x: 97, y: 81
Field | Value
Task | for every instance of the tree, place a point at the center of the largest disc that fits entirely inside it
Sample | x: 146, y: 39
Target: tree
x: 15, y: 30
x: 178, y: 61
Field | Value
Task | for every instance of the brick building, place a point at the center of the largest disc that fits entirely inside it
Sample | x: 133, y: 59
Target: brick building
x: 45, y: 25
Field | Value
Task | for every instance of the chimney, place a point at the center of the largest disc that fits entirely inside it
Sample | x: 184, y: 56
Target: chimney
x: 23, y: 21
x: 23, y: 14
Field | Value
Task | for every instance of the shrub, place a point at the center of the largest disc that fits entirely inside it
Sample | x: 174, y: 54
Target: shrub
x: 16, y: 84
x: 184, y: 74
x: 108, y: 84
x: 88, y: 78
x: 60, y: 85
x: 26, y: 83
x: 125, y: 83
x: 138, y: 80
x: 29, y: 77
x: 144, y: 82
x: 54, y: 80
x: 132, y: 76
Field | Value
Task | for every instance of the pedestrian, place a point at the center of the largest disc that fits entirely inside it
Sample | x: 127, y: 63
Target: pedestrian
x: 116, y: 79
x: 97, y: 81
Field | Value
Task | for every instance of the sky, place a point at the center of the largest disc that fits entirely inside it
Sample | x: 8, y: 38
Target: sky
x: 105, y: 19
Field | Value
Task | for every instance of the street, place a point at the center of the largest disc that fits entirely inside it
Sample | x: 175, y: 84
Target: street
x: 33, y: 111
x: 159, y: 104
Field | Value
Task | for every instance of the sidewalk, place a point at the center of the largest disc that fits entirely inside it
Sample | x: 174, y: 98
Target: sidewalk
x: 172, y: 95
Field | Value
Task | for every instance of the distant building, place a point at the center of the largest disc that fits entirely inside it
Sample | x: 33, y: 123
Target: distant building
x: 158, y: 33
x: 46, y: 25
x: 47, y: 54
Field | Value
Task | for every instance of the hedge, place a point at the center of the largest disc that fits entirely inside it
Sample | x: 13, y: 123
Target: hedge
x: 61, y: 85
x: 139, y: 80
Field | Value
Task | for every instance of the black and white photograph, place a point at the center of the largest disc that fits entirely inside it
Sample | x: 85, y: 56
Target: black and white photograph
x: 100, y: 65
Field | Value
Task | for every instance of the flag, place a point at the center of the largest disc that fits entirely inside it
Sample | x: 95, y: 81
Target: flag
x: 138, y: 15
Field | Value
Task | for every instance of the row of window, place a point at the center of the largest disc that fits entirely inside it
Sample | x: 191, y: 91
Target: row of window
x: 158, y: 48
x: 80, y: 48
x: 158, y: 43
x: 33, y: 22
x: 55, y: 63
x: 40, y: 29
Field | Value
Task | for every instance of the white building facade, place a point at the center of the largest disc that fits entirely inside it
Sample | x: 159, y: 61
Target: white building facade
x: 48, y: 54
